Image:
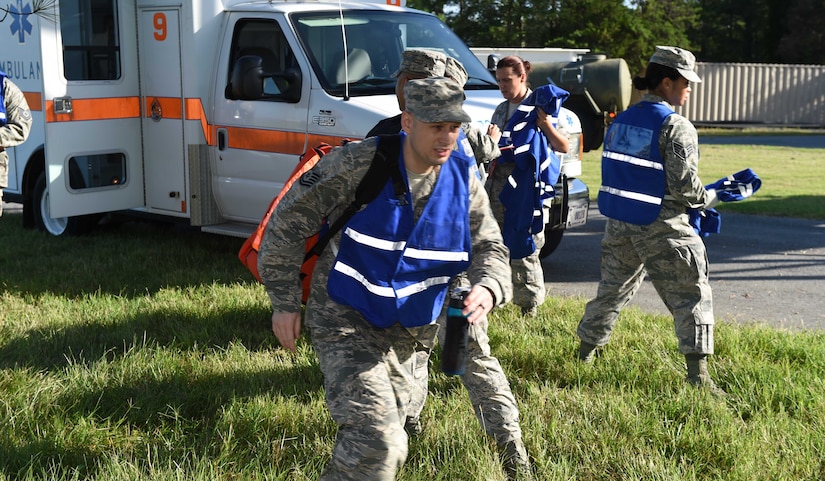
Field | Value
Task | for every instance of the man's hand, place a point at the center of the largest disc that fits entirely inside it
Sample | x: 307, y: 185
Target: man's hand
x: 494, y: 132
x: 287, y: 328
x: 478, y: 302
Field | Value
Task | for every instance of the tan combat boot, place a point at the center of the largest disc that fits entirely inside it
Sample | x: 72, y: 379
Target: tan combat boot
x: 698, y: 375
x: 587, y: 352
x: 515, y: 461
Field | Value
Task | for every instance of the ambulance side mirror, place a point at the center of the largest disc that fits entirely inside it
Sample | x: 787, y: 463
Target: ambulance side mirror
x: 246, y: 80
x: 292, y: 79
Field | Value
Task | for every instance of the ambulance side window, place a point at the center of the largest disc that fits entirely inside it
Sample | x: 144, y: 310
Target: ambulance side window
x: 265, y: 39
x: 91, y: 40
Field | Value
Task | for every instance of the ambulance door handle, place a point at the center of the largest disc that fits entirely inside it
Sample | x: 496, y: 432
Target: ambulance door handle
x: 62, y: 105
x: 222, y: 139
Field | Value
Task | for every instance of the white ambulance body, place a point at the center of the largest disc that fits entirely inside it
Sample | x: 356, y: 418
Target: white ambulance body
x: 134, y: 107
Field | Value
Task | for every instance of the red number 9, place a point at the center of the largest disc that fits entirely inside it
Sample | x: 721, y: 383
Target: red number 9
x: 159, y: 21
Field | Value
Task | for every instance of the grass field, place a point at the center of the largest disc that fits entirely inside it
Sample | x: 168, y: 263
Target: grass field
x: 143, y: 352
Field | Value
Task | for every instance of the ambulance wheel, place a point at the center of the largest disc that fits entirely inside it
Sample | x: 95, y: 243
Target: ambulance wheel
x: 62, y: 225
x: 552, y: 238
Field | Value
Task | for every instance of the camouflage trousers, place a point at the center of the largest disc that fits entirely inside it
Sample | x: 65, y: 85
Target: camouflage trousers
x: 368, y: 384
x: 528, y: 276
x: 674, y: 258
x: 485, y: 381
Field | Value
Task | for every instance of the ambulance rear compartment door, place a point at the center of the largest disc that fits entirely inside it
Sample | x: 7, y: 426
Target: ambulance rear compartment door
x: 91, y: 93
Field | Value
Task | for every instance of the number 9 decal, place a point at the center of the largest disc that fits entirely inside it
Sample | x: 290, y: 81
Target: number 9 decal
x: 159, y: 22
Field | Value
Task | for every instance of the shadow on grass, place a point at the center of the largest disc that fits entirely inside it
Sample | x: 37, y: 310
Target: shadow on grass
x: 128, y: 259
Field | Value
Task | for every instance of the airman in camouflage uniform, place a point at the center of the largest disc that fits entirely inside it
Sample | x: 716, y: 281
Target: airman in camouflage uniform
x: 367, y: 370
x: 668, y: 250
x: 15, y: 124
x: 484, y: 378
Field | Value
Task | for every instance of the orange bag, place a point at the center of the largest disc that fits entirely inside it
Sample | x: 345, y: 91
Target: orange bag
x: 249, y: 250
x: 384, y: 166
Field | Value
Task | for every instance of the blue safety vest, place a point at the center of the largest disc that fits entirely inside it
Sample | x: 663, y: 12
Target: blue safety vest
x: 393, y: 269
x: 633, y: 172
x: 2, y: 98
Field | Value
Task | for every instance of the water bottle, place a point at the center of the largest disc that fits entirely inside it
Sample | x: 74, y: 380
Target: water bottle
x: 454, y: 349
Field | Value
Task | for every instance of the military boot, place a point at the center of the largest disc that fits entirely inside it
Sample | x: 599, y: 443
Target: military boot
x: 698, y: 375
x: 587, y: 352
x: 413, y: 426
x: 515, y: 461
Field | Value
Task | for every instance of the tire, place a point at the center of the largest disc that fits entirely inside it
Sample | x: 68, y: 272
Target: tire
x: 63, y: 226
x: 552, y: 239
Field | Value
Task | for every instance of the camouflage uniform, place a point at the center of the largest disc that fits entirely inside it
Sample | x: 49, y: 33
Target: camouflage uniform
x: 528, y: 276
x: 16, y: 129
x: 363, y: 366
x: 668, y: 250
x: 485, y: 381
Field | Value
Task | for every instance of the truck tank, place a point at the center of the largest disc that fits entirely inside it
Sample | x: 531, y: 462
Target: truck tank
x: 599, y: 87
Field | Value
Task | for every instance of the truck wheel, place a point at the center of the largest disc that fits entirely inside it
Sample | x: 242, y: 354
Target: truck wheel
x: 552, y: 238
x: 60, y: 226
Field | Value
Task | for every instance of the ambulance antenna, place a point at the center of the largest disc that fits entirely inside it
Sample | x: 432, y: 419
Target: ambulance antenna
x: 346, y: 53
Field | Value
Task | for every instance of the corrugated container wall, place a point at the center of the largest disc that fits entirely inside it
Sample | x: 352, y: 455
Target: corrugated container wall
x: 758, y: 93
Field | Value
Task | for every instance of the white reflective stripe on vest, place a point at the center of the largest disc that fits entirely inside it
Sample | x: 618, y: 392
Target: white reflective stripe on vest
x: 633, y: 160
x: 436, y: 255
x: 386, y: 245
x: 423, y: 285
x: 649, y: 199
x: 383, y: 291
x: 374, y: 242
x: 387, y: 291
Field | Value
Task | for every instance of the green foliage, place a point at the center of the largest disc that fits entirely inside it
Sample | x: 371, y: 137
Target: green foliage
x: 716, y: 31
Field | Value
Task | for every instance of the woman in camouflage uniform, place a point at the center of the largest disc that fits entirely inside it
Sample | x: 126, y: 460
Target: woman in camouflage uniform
x: 649, y: 180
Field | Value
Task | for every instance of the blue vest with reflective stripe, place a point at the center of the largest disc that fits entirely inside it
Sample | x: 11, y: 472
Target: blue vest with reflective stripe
x: 2, y: 98
x: 633, y: 173
x: 393, y: 269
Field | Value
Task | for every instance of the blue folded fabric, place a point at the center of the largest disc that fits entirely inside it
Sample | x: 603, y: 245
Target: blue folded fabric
x: 736, y: 187
x: 705, y: 222
x: 536, y: 171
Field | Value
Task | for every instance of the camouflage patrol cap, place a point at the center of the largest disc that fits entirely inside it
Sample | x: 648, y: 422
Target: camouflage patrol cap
x: 455, y: 71
x: 424, y: 63
x: 676, y: 58
x: 435, y: 99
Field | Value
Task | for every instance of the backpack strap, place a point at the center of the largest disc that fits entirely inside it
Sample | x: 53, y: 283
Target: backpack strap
x: 384, y: 167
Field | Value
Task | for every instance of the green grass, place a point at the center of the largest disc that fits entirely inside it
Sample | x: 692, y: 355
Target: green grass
x: 793, y: 180
x: 143, y: 352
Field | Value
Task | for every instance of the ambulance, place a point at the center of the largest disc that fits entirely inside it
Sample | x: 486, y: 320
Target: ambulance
x: 198, y: 110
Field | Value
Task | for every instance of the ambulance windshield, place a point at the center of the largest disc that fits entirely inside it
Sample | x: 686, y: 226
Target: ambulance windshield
x: 375, y: 40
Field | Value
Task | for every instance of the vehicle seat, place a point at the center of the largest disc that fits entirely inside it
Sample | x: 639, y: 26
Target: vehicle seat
x: 358, y: 66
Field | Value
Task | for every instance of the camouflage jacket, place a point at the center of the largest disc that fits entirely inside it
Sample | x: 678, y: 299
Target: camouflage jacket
x: 679, y: 147
x: 324, y: 192
x: 17, y: 127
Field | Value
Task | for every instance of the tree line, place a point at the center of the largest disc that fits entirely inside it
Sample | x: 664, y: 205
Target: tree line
x: 750, y: 31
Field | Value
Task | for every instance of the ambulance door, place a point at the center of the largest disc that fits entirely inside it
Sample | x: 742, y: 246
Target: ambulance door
x: 90, y: 79
x: 163, y: 109
x: 259, y: 141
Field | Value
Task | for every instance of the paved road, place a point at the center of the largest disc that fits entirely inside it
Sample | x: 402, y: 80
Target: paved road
x: 762, y: 269
x: 796, y: 141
